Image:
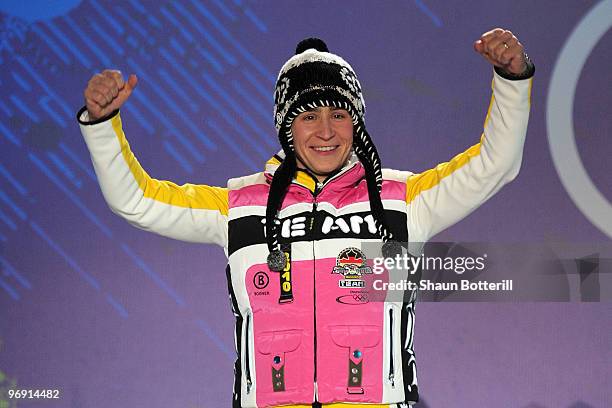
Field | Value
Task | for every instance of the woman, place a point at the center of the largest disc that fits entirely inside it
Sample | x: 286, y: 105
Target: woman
x: 308, y: 331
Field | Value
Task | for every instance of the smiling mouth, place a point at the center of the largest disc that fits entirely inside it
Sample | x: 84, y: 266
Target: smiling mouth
x: 324, y: 148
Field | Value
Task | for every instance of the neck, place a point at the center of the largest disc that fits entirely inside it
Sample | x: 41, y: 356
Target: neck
x: 319, y: 177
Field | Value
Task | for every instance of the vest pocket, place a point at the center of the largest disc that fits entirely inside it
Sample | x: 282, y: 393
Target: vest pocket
x: 359, y: 343
x: 281, y: 370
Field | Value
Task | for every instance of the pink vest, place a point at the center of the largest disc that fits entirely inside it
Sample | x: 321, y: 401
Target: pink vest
x: 313, y: 331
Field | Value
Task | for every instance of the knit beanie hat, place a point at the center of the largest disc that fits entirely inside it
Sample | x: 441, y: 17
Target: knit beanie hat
x: 313, y: 78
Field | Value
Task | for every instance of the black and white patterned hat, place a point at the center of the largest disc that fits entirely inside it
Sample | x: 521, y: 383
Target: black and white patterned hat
x: 313, y: 78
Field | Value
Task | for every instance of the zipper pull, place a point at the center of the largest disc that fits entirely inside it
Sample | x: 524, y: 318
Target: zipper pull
x: 312, y: 215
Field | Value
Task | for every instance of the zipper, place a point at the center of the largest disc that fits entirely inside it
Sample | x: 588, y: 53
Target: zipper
x: 318, y: 187
x: 314, y: 278
x: 312, y: 217
x: 247, y: 358
x: 391, y: 365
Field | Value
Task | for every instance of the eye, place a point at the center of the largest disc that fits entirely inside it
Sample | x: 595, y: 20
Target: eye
x: 308, y: 117
x: 340, y: 114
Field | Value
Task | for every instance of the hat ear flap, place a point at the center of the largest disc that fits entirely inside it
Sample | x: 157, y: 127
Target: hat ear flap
x: 278, y: 188
x: 368, y: 155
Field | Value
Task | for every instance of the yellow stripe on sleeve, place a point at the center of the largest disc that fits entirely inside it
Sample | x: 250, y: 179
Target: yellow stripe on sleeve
x: 530, y: 87
x: 418, y: 183
x: 188, y: 195
x: 489, y: 109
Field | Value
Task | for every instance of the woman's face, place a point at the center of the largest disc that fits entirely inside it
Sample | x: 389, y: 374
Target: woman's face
x: 323, y: 138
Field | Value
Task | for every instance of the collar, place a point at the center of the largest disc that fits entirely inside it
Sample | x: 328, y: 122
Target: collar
x: 306, y: 179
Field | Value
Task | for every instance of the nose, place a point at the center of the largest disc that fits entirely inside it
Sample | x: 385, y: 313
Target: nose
x: 326, y: 131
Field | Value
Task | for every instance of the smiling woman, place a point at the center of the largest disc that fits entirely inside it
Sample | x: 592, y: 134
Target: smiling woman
x: 296, y: 229
x: 323, y: 139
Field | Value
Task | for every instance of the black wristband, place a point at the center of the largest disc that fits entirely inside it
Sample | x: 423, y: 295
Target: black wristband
x: 94, y: 122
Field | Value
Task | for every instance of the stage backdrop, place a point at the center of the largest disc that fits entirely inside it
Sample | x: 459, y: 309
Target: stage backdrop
x: 113, y: 316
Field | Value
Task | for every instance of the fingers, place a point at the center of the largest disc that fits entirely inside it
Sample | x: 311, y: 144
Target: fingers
x: 501, y: 48
x: 500, y: 45
x: 97, y: 97
x: 126, y: 91
x: 102, y: 88
x: 491, y: 34
x: 112, y: 81
x: 95, y: 100
x: 115, y: 75
x: 132, y: 81
x: 511, y: 52
x: 494, y: 42
x: 107, y: 91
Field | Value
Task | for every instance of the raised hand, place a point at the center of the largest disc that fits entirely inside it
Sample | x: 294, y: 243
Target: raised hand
x: 501, y: 48
x: 106, y: 92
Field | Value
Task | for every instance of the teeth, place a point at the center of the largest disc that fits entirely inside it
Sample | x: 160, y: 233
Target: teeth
x: 324, y: 149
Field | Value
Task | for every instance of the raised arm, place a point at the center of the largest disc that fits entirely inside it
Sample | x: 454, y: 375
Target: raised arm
x: 443, y: 195
x: 194, y: 213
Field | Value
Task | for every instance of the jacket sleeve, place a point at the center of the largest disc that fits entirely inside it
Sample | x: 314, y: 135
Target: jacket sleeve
x: 194, y: 213
x: 443, y: 195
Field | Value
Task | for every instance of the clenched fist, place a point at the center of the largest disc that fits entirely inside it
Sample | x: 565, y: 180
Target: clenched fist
x: 501, y: 48
x: 106, y: 92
